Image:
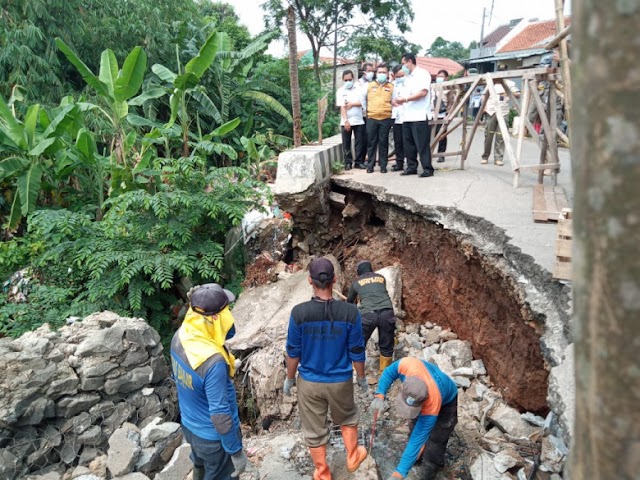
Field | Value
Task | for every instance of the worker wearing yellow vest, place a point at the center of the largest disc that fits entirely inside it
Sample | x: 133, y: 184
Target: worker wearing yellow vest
x: 203, y: 371
x: 378, y: 104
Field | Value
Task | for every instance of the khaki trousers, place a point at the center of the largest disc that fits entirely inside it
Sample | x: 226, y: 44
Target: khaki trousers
x: 314, y: 402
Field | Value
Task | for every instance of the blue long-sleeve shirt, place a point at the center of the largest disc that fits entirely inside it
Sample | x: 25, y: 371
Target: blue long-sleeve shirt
x: 207, y: 398
x: 442, y: 390
x: 327, y: 338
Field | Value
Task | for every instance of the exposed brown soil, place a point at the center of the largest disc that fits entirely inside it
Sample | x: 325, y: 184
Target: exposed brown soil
x: 447, y: 282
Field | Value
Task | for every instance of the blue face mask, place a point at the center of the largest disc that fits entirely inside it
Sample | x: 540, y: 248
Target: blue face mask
x: 348, y: 84
x: 399, y: 81
x: 381, y: 78
x: 439, y: 79
x: 406, y: 70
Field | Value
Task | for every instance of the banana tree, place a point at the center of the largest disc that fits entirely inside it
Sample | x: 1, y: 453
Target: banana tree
x: 29, y: 148
x: 117, y: 89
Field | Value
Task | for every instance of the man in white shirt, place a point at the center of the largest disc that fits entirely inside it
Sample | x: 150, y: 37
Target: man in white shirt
x: 495, y: 107
x: 416, y: 102
x: 348, y: 99
x: 396, y: 114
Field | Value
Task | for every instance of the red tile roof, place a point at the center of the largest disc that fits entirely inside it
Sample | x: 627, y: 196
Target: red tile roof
x: 534, y: 35
x: 434, y: 64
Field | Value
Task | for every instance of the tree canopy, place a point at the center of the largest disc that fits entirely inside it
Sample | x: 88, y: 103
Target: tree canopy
x: 444, y: 48
x: 318, y: 19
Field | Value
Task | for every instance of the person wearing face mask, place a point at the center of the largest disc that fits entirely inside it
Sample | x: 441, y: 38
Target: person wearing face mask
x: 396, y: 114
x: 416, y: 114
x: 349, y: 100
x: 368, y: 72
x: 203, y: 370
x: 445, y: 106
x: 378, y: 106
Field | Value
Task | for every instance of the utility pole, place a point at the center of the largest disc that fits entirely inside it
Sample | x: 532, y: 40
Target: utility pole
x: 484, y: 15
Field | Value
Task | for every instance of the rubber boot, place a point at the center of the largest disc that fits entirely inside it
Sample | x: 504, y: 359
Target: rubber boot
x: 319, y: 457
x: 198, y: 473
x: 355, y: 453
x: 385, y: 362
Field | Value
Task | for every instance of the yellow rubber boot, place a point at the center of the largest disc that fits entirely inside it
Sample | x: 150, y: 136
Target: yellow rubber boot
x: 355, y: 453
x: 319, y: 457
x: 385, y: 362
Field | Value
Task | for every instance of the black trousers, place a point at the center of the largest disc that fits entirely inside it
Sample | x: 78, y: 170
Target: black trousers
x: 442, y: 144
x: 378, y: 141
x: 436, y: 446
x: 358, y: 132
x: 210, y: 456
x: 417, y: 142
x: 385, y: 322
x: 399, y: 144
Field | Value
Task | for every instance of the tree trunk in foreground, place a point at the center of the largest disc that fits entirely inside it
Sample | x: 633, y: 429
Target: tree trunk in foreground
x: 606, y: 167
x: 293, y: 77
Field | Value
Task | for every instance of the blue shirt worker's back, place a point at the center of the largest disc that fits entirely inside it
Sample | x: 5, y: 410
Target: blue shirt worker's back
x: 327, y: 337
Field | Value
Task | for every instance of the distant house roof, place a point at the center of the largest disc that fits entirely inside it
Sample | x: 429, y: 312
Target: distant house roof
x: 434, y: 64
x: 498, y: 34
x: 533, y: 36
x: 308, y: 54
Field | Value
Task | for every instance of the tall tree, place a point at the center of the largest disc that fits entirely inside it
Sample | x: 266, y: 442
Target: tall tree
x: 606, y: 441
x: 315, y: 19
x: 222, y: 17
x: 444, y: 48
x: 381, y: 44
x: 293, y: 77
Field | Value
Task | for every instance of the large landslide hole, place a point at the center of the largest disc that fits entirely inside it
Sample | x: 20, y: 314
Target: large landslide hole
x: 446, y: 281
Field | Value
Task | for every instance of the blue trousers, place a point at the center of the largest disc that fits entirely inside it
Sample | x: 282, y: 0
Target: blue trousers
x: 210, y: 455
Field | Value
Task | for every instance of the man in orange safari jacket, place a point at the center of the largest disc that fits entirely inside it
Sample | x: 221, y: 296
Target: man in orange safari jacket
x: 429, y: 398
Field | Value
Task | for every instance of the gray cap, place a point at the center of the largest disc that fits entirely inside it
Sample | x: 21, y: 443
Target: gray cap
x: 211, y: 298
x: 411, y: 397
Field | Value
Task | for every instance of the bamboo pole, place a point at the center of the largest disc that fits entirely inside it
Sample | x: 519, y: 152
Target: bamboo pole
x: 503, y: 125
x: 564, y: 60
x: 524, y: 111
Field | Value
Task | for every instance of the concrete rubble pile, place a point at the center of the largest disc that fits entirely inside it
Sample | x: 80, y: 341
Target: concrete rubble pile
x: 65, y: 395
x: 500, y: 442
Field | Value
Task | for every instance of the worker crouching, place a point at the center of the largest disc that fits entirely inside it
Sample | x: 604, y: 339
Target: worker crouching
x: 376, y: 309
x: 203, y: 370
x: 429, y: 399
x: 325, y: 345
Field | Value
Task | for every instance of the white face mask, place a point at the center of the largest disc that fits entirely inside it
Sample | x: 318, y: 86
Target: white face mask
x: 368, y: 76
x: 399, y: 81
x: 348, y: 84
x: 439, y: 79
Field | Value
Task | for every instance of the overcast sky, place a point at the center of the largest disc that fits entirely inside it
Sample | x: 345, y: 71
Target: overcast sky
x: 454, y: 20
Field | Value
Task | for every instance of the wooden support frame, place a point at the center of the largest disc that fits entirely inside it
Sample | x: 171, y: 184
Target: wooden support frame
x: 547, y: 142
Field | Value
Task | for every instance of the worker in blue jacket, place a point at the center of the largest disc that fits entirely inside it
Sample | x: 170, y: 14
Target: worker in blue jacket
x: 203, y: 370
x: 324, y: 346
x: 429, y: 398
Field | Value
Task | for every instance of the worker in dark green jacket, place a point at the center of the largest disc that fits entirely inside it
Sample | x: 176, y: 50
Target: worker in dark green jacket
x: 376, y: 309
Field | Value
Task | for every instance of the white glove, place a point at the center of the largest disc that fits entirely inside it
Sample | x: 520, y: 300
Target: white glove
x: 363, y: 384
x: 377, y: 406
x: 240, y: 461
x: 288, y: 385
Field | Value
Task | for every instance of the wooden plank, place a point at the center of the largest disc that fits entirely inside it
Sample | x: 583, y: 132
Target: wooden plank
x: 532, y: 131
x: 532, y: 72
x: 483, y: 106
x: 539, y: 205
x: 565, y: 228
x: 521, y: 127
x: 562, y: 271
x: 539, y: 166
x: 555, y: 41
x: 564, y: 247
x: 503, y: 125
x: 445, y: 133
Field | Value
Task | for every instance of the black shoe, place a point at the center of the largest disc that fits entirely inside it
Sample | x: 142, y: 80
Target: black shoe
x: 347, y: 166
x: 369, y: 170
x: 429, y: 470
x: 407, y: 172
x: 383, y: 170
x: 361, y: 166
x: 440, y: 159
x: 426, y: 174
x: 397, y: 168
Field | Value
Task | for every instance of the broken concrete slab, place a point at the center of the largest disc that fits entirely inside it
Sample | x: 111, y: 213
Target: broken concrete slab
x: 459, y: 351
x: 509, y: 421
x: 179, y: 466
x: 484, y: 469
x: 393, y: 277
x: 506, y: 460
